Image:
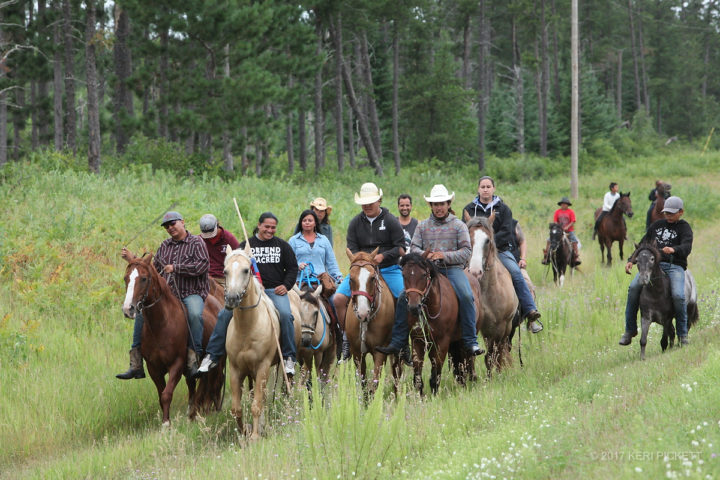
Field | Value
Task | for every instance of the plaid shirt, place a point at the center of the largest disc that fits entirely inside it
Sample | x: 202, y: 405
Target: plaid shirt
x: 189, y: 258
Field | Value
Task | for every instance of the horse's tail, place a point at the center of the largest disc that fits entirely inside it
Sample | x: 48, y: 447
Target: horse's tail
x: 211, y: 388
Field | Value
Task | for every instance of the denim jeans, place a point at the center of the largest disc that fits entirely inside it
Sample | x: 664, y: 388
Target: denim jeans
x: 287, y: 329
x: 392, y: 276
x: 677, y: 288
x: 527, y: 304
x: 466, y: 311
x: 195, y: 306
x: 216, y: 344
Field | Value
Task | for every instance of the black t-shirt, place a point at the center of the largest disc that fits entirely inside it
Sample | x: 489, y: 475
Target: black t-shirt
x: 678, y: 235
x: 275, y: 260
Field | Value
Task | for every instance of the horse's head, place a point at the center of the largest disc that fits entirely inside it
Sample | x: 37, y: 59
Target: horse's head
x: 309, y: 314
x: 647, y: 256
x: 624, y: 204
x: 483, y: 245
x: 140, y: 285
x: 364, y: 283
x: 663, y: 190
x: 556, y: 235
x: 238, y: 275
x: 418, y: 273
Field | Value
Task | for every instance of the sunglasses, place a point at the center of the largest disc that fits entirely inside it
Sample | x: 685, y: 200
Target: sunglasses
x: 169, y: 224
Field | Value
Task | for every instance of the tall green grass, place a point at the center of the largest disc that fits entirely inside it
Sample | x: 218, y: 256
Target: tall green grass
x: 580, y: 407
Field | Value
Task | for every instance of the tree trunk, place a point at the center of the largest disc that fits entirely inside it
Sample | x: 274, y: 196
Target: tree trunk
x: 618, y: 100
x: 518, y: 88
x: 557, y: 95
x: 543, y: 83
x: 69, y: 57
x: 466, y: 52
x: 18, y: 122
x: 244, y: 161
x: 92, y: 99
x: 638, y: 98
x: 373, y: 120
x: 395, y: 99
x: 645, y: 81
x: 34, y: 117
x: 59, y: 120
x: 574, y: 98
x: 339, y: 134
x: 364, y: 130
x: 483, y: 81
x: 289, y: 143
x: 228, y: 161
x: 318, y: 120
x: 123, y: 101
x: 42, y: 115
x: 351, y: 138
x: 162, y: 100
x: 302, y: 140
x: 3, y: 128
x: 258, y: 159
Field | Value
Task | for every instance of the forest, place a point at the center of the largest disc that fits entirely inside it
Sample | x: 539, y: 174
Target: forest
x: 240, y: 87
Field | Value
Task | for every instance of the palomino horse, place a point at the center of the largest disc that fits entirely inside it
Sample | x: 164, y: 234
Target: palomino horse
x: 368, y: 324
x: 662, y: 192
x: 165, y: 337
x: 433, y: 316
x: 252, y: 337
x: 313, y: 334
x: 501, y: 315
x: 560, y: 253
x: 656, y: 303
x: 612, y: 227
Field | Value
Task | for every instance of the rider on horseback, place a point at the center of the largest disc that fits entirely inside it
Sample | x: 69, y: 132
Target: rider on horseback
x: 608, y: 201
x: 674, y: 238
x: 565, y: 217
x: 447, y: 238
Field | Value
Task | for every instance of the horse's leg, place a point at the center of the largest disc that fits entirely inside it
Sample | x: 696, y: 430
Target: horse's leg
x: 620, y: 243
x: 259, y: 400
x: 490, y: 357
x: 646, y: 321
x: 418, y: 345
x: 378, y: 362
x: 602, y: 249
x: 193, y: 406
x: 174, y: 375
x: 437, y: 359
x: 158, y: 379
x: 236, y: 388
x: 608, y: 244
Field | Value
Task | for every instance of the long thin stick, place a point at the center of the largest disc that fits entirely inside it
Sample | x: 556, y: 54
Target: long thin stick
x: 272, y: 325
x: 151, y: 223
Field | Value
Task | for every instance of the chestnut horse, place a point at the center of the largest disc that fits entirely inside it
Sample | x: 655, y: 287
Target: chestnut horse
x: 501, y: 315
x: 368, y: 324
x: 662, y: 192
x: 612, y: 227
x: 433, y: 317
x: 313, y: 334
x: 165, y: 337
x: 560, y: 253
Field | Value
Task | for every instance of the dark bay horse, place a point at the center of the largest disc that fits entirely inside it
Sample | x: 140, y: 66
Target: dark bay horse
x: 165, y: 337
x: 656, y: 303
x: 368, y: 324
x: 501, y: 315
x: 612, y: 227
x: 560, y: 253
x: 433, y: 317
x: 662, y: 192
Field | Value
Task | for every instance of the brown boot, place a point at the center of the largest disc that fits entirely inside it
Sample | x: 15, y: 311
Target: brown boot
x: 136, y: 369
x: 575, y: 256
x: 192, y: 364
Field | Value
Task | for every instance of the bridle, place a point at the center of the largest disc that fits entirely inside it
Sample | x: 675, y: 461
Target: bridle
x: 140, y: 305
x: 310, y: 329
x: 244, y: 292
x: 373, y: 299
x: 424, y: 293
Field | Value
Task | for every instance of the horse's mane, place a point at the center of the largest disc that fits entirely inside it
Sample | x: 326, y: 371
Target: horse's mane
x: 418, y: 259
x: 365, y: 256
x: 618, y: 200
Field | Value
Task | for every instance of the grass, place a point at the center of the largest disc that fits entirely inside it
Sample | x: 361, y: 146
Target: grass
x: 581, y: 407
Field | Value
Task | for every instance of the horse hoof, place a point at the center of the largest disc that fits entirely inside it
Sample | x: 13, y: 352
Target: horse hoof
x: 166, y: 424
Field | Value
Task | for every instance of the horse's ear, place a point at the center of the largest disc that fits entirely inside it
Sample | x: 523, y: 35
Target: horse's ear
x: 317, y: 291
x: 147, y: 259
x: 349, y: 254
x: 247, y: 248
x: 550, y: 225
x: 491, y: 218
x: 466, y: 216
x: 374, y: 252
x: 628, y: 193
x: 637, y: 245
x: 228, y: 250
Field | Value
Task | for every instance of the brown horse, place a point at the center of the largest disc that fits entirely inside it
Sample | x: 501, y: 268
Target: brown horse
x: 433, y: 317
x: 313, y: 334
x: 501, y: 315
x: 612, y: 227
x: 662, y: 192
x: 165, y: 337
x: 368, y: 324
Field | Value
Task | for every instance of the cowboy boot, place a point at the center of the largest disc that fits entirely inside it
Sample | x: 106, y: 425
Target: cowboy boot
x: 192, y: 364
x: 546, y: 254
x: 136, y: 369
x: 576, y: 255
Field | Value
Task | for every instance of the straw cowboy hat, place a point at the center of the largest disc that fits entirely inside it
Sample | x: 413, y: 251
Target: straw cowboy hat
x: 321, y: 204
x: 369, y: 193
x: 439, y: 194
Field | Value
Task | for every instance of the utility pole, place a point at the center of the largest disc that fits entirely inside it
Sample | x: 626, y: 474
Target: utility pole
x: 575, y: 102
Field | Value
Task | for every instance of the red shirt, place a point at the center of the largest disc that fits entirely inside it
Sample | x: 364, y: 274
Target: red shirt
x: 216, y: 251
x: 564, y: 218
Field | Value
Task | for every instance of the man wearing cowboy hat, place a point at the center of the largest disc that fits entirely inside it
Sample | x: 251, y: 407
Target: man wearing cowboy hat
x: 322, y: 211
x: 447, y: 239
x: 375, y: 227
x: 565, y: 217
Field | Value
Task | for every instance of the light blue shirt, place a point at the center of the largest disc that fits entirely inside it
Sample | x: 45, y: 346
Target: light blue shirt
x: 320, y: 255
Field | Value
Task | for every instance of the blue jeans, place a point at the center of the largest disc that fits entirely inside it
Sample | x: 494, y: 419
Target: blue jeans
x: 287, y: 329
x: 527, y: 304
x: 466, y: 311
x: 195, y: 305
x: 392, y: 276
x: 677, y: 288
x: 216, y: 344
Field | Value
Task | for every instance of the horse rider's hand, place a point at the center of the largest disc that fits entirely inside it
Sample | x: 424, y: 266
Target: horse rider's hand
x: 668, y: 250
x: 280, y: 290
x: 435, y: 256
x: 126, y: 254
x: 522, y: 263
x: 302, y: 265
x: 379, y: 258
x: 628, y: 267
x: 168, y: 268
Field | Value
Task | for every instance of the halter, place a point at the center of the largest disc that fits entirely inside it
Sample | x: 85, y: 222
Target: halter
x: 311, y: 329
x: 378, y: 288
x: 424, y: 294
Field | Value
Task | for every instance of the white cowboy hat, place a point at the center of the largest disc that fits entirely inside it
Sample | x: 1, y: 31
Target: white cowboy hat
x: 321, y: 204
x: 439, y: 194
x: 369, y: 193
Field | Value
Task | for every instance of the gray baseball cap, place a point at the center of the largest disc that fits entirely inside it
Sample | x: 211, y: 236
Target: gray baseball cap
x: 170, y: 217
x: 673, y: 205
x: 208, y: 226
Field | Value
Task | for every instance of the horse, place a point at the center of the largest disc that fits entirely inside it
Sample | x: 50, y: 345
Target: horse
x: 313, y: 334
x: 662, y: 192
x: 501, y: 315
x: 253, y: 335
x: 560, y: 253
x: 612, y: 227
x: 368, y: 324
x: 433, y: 316
x: 656, y: 303
x: 165, y: 338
